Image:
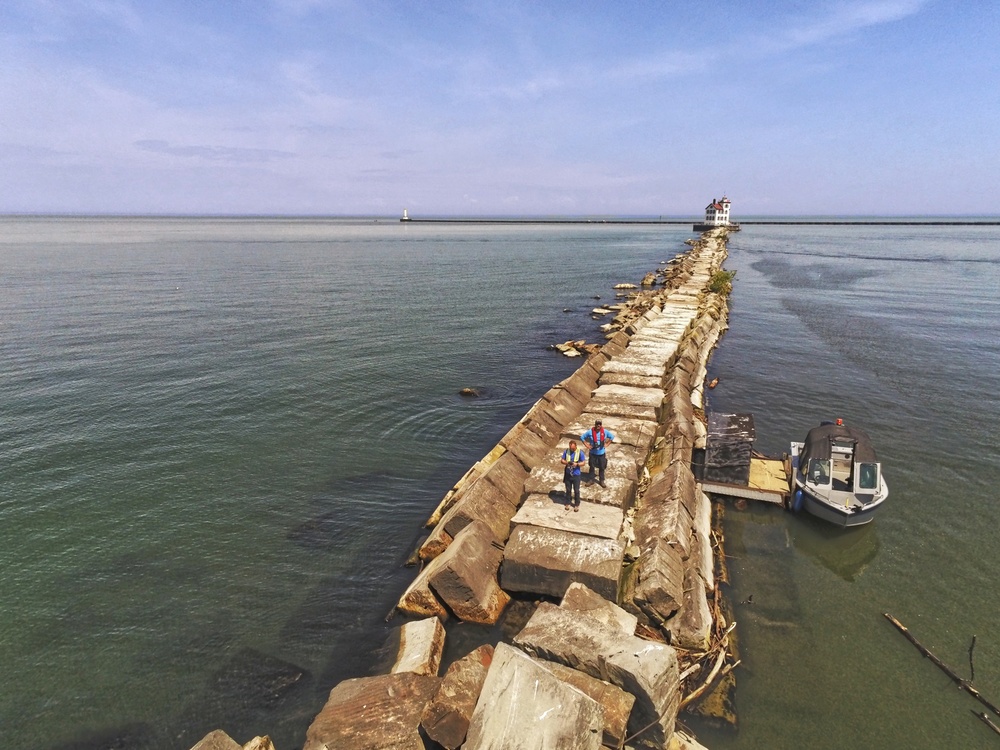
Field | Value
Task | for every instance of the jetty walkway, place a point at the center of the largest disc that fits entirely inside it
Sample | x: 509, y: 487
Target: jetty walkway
x: 616, y: 620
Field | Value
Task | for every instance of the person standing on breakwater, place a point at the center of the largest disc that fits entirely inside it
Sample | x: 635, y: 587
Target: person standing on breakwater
x: 572, y: 459
x: 596, y: 438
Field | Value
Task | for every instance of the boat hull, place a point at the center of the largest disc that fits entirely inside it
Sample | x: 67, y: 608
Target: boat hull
x: 838, y: 516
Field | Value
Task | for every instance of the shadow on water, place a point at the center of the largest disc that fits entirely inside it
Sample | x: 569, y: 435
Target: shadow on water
x: 785, y: 275
x: 844, y: 552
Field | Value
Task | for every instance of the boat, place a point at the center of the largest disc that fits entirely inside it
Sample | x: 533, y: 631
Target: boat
x: 836, y: 476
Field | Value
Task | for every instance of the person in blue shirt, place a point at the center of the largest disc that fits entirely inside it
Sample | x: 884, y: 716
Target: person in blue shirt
x: 572, y: 459
x: 596, y: 439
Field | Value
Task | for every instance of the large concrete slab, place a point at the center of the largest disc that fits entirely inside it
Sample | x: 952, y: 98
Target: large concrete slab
x: 446, y: 718
x: 217, y: 740
x: 373, y: 713
x: 616, y: 704
x: 546, y: 561
x: 626, y: 401
x: 482, y: 502
x: 464, y: 576
x: 421, y: 644
x: 523, y: 706
x: 603, y: 521
x: 646, y: 669
x: 579, y: 598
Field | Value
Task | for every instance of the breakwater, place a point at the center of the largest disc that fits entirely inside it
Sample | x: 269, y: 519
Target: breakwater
x: 638, y: 628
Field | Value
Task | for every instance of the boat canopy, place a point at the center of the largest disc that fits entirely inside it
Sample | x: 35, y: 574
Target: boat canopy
x: 819, y: 442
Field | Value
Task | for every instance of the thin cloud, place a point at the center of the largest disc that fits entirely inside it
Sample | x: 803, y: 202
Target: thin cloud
x: 844, y: 20
x: 231, y: 154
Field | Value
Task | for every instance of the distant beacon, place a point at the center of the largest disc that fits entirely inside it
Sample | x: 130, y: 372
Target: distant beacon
x: 716, y: 215
x: 406, y: 216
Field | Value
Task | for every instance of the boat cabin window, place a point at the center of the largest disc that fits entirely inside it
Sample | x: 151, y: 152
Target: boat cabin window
x: 867, y: 477
x: 819, y: 471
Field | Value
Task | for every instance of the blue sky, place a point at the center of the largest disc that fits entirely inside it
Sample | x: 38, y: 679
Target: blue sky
x: 641, y: 108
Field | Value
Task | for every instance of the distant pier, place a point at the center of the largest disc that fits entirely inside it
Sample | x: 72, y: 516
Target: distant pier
x: 744, y: 223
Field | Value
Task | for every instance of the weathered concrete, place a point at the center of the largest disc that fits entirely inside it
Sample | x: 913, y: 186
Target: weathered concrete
x: 217, y: 740
x: 464, y: 576
x: 507, y: 475
x: 592, y: 519
x: 579, y: 598
x: 691, y: 628
x: 418, y: 599
x: 421, y: 644
x: 525, y: 707
x: 446, y: 717
x: 664, y: 512
x: 525, y: 445
x: 482, y: 502
x: 646, y: 669
x: 657, y: 581
x: 373, y: 713
x: 702, y: 556
x: 615, y: 703
x: 547, y: 561
x: 625, y: 401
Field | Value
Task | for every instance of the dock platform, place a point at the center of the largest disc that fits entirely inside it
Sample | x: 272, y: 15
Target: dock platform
x: 769, y: 482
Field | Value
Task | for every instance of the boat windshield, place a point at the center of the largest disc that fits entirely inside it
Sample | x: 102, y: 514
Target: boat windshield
x: 868, y: 476
x: 819, y: 471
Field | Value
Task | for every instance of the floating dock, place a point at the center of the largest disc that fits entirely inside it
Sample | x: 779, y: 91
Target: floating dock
x: 731, y: 468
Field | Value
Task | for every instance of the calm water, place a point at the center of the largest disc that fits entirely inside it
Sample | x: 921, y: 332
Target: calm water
x: 896, y: 330
x: 221, y: 438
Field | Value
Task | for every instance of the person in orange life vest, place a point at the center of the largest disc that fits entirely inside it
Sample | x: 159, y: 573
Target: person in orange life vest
x: 596, y: 439
x: 572, y: 459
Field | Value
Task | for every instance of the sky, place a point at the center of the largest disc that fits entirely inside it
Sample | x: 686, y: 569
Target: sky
x: 336, y: 107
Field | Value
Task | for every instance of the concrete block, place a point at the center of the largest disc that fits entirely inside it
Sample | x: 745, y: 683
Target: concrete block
x: 464, y: 576
x: 418, y: 599
x: 217, y: 740
x: 691, y: 627
x: 547, y: 561
x: 507, y: 474
x: 373, y: 713
x: 421, y: 644
x: 616, y: 704
x: 482, y: 502
x: 579, y: 598
x: 646, y: 669
x: 446, y: 717
x: 525, y: 707
x: 525, y: 446
x: 603, y: 521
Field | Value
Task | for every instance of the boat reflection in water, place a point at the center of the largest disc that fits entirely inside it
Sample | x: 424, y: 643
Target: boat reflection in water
x: 844, y: 553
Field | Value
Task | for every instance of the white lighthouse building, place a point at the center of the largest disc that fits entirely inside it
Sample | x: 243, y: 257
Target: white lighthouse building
x: 716, y: 215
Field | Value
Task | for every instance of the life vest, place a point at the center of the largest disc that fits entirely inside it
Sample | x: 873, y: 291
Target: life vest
x: 573, y: 457
x: 597, y: 438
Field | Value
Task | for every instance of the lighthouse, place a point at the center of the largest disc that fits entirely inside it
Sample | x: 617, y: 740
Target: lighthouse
x: 716, y: 215
x: 406, y: 216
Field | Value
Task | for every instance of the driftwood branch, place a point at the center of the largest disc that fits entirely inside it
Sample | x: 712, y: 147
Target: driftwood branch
x: 962, y: 683
x: 986, y: 720
x: 972, y: 667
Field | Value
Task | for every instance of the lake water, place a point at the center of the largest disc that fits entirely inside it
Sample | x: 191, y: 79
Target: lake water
x: 221, y: 438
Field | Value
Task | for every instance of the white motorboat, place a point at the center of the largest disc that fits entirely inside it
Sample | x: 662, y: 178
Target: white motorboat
x: 836, y: 475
